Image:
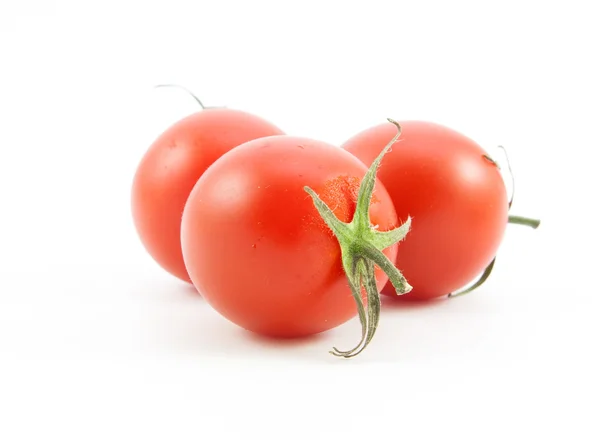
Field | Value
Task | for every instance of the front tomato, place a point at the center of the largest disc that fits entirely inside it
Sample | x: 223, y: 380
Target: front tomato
x: 257, y: 249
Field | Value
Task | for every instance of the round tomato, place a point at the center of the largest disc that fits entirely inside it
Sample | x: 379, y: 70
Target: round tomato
x: 259, y: 251
x: 455, y: 196
x: 172, y: 166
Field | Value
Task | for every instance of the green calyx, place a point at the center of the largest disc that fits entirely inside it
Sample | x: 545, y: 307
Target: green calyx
x: 362, y: 247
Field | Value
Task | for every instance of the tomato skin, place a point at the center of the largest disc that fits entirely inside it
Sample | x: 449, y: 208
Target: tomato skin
x: 172, y: 166
x: 456, y: 198
x: 256, y: 247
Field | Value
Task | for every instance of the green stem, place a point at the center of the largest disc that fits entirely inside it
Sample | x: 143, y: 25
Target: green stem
x: 362, y: 247
x: 514, y: 219
x: 482, y: 279
x: 353, y: 267
x: 367, y: 275
x: 525, y: 221
x: 374, y: 304
x: 395, y: 276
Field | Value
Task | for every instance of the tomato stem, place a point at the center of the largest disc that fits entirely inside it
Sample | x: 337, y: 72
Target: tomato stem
x: 482, y: 279
x: 354, y: 280
x: 186, y: 90
x: 514, y: 219
x: 362, y: 247
x: 512, y: 177
x: 525, y: 221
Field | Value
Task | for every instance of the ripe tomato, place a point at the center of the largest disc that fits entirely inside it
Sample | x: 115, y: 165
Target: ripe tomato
x: 171, y: 167
x: 455, y: 196
x: 257, y: 249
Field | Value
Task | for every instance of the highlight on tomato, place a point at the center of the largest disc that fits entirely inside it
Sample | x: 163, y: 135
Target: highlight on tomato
x: 288, y: 236
x: 172, y: 166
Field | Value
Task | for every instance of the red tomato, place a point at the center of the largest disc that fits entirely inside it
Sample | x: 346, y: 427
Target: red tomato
x: 257, y: 249
x: 455, y: 196
x: 172, y: 166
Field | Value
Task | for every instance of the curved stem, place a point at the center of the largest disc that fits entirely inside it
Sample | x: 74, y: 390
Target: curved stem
x: 373, y: 308
x: 374, y: 301
x: 182, y: 88
x: 514, y: 219
x: 512, y: 177
x: 484, y: 276
x: 362, y: 247
x: 525, y: 221
x: 353, y: 271
x: 367, y: 185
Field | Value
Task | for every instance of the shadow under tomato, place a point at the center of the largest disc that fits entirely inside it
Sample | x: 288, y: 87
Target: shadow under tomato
x: 217, y: 336
x: 282, y: 342
x: 184, y: 324
x: 189, y: 290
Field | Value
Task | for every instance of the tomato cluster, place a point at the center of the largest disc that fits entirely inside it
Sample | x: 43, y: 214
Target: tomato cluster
x: 289, y: 236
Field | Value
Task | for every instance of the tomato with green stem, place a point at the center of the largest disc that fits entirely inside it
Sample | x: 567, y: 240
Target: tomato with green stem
x: 172, y: 166
x: 456, y: 196
x: 281, y: 236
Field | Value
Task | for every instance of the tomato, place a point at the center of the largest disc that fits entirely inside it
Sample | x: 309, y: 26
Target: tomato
x: 259, y: 251
x: 455, y: 196
x: 172, y: 166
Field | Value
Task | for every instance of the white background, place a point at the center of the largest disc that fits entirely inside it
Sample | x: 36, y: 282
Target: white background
x: 97, y: 342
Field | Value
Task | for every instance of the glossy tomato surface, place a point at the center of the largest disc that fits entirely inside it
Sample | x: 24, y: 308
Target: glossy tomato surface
x: 257, y: 249
x: 455, y: 196
x: 172, y: 166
